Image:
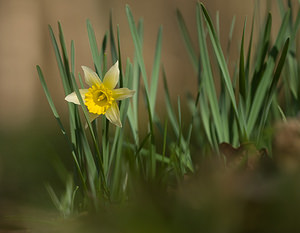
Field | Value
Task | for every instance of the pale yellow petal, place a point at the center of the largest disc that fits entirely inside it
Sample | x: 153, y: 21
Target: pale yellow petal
x: 92, y: 117
x: 122, y: 93
x: 73, y: 97
x: 91, y: 78
x: 111, y: 78
x: 113, y: 114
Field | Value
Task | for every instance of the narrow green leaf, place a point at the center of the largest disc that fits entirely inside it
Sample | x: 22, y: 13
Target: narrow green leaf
x: 155, y: 72
x: 281, y: 8
x: 57, y: 117
x: 150, y: 120
x: 230, y: 35
x: 175, y: 124
x: 283, y: 117
x: 64, y: 53
x: 296, y: 25
x: 247, y: 69
x: 143, y: 143
x: 146, y: 152
x: 103, y: 57
x: 273, y: 86
x: 94, y: 47
x: 218, y: 23
x: 113, y: 49
x: 72, y: 57
x: 117, y: 172
x: 187, y: 40
x: 260, y: 59
x: 85, y: 111
x: 138, y: 47
x: 279, y: 68
x: 61, y: 67
x: 221, y: 61
x: 120, y: 57
x: 54, y: 198
x: 266, y: 79
x: 208, y: 80
x: 133, y: 108
x: 165, y: 138
x: 169, y: 107
x: 242, y: 79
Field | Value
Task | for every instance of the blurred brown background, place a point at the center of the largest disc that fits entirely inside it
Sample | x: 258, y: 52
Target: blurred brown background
x: 29, y: 136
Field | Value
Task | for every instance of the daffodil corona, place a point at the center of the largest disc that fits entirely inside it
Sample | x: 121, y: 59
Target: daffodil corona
x: 101, y: 97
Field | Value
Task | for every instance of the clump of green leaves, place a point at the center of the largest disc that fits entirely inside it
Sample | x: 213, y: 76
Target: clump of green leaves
x: 110, y: 162
x: 248, y: 102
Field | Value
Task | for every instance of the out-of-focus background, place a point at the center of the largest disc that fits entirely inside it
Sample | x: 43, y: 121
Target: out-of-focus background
x: 25, y: 42
x: 30, y: 140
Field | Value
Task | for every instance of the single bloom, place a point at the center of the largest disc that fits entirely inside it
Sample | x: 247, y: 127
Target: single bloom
x: 101, y: 97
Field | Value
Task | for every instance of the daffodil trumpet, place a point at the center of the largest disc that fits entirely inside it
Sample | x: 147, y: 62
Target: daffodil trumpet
x: 100, y: 98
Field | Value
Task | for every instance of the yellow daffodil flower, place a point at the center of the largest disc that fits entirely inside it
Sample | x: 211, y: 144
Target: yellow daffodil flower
x: 101, y: 97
